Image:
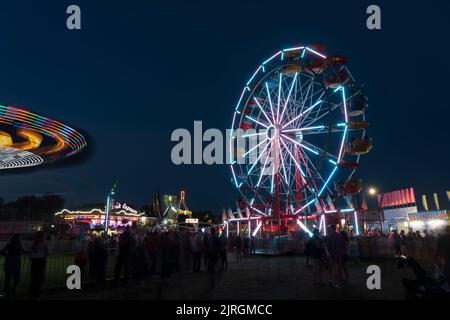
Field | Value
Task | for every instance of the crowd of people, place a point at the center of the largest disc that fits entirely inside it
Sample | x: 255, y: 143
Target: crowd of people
x: 159, y: 254
x: 332, y: 252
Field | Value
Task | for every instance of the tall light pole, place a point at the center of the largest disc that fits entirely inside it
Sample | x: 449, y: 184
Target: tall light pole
x: 109, y: 200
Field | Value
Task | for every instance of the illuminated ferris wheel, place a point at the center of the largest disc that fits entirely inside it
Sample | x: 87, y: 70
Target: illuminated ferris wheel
x: 298, y: 132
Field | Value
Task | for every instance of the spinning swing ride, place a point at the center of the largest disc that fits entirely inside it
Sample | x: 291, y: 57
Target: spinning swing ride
x: 297, y: 136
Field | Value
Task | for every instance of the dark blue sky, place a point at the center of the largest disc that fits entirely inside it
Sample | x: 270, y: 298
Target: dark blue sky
x: 140, y: 69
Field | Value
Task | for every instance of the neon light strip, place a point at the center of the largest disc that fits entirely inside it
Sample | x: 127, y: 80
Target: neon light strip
x: 244, y: 219
x: 272, y: 57
x: 295, y: 161
x: 259, y: 157
x: 328, y: 180
x: 256, y: 121
x: 301, y: 145
x: 356, y: 223
x: 301, y: 114
x: 254, y: 75
x: 270, y: 102
x: 234, y: 176
x: 332, y: 162
x: 304, y: 129
x: 257, y: 228
x: 304, y: 227
x: 315, y: 52
x: 342, y: 144
x: 255, y: 147
x: 345, y: 104
x: 121, y: 212
x: 292, y: 49
x: 306, y: 205
x: 289, y: 96
x: 279, y: 96
x: 240, y: 99
x: 262, y: 170
x: 264, y: 113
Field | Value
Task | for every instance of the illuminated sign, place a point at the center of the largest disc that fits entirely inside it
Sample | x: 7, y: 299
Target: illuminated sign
x: 428, y: 215
x: 185, y: 212
x: 124, y: 206
x: 191, y: 220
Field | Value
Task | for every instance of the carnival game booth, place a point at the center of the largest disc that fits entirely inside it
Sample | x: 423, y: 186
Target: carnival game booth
x: 432, y: 221
x: 94, y: 220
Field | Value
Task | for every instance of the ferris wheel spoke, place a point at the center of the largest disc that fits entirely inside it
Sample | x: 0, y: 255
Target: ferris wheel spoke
x: 282, y: 156
x: 304, y: 129
x: 259, y: 158
x: 312, y: 165
x: 334, y: 129
x: 295, y: 161
x: 256, y: 121
x: 301, y: 114
x: 270, y: 102
x: 314, y: 120
x: 279, y: 95
x: 255, y: 147
x: 262, y: 110
x: 300, y: 145
x: 320, y: 150
x: 288, y: 97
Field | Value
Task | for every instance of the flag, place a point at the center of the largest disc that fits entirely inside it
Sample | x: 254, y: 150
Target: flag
x: 424, y: 202
x: 224, y: 215
x: 413, y: 197
x: 436, y: 201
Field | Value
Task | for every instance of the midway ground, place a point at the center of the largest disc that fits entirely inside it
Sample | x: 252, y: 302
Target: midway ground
x: 258, y: 278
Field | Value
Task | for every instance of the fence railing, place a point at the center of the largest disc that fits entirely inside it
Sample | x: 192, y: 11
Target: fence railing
x: 56, y: 271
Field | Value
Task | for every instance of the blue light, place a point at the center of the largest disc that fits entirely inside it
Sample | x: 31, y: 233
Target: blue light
x: 328, y: 180
x: 271, y: 58
x: 254, y: 75
x: 333, y: 162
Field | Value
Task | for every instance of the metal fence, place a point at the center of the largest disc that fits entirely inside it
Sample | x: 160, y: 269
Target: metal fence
x: 56, y: 271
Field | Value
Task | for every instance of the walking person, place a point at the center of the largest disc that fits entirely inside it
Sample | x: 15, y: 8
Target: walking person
x: 223, y: 242
x: 140, y: 261
x: 212, y: 248
x: 81, y: 260
x: 100, y: 253
x: 252, y: 245
x: 152, y: 245
x: 127, y: 244
x: 335, y: 246
x: 238, y: 245
x: 246, y: 247
x: 397, y: 243
x: 316, y: 251
x: 38, y: 256
x: 196, y: 247
x: 403, y: 243
x: 13, y: 260
x: 344, y: 271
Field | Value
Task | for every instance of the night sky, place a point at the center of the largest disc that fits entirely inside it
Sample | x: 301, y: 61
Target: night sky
x: 140, y: 69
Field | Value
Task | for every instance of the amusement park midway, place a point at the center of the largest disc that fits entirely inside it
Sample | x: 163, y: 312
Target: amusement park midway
x: 302, y: 221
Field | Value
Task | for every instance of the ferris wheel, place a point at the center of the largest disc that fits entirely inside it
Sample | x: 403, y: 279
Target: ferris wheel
x: 297, y: 135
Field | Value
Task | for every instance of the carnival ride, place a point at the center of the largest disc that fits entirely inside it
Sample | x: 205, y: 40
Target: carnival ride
x: 297, y: 135
x: 28, y: 139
